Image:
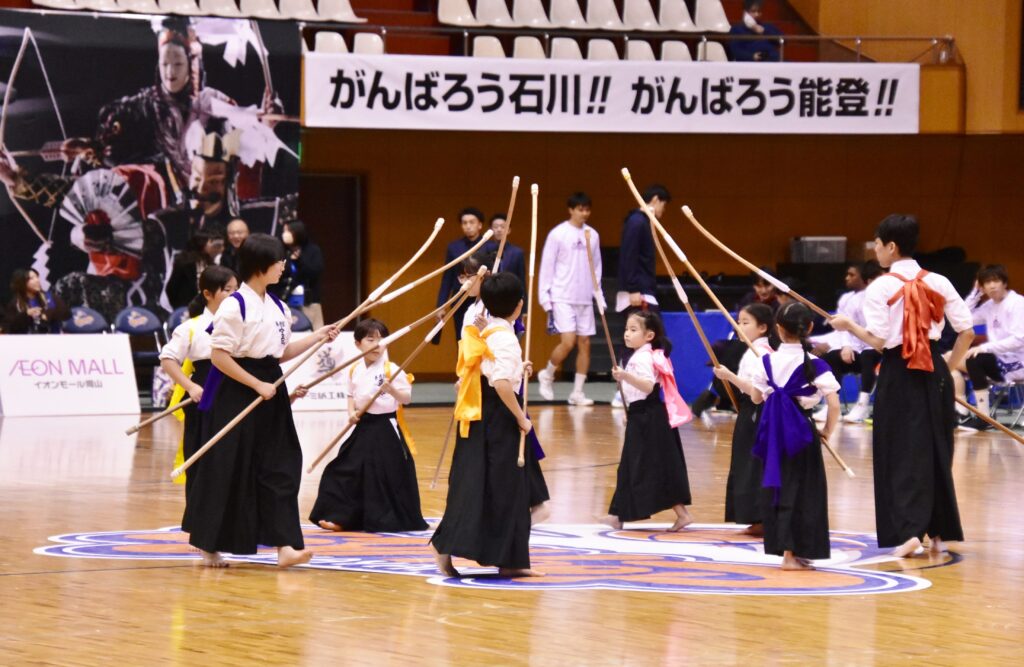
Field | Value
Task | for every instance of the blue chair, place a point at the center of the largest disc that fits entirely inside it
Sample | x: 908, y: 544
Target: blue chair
x: 138, y: 321
x: 179, y: 316
x: 84, y: 320
x: 300, y: 322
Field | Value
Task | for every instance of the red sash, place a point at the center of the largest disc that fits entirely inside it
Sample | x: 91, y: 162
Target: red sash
x: 921, y: 306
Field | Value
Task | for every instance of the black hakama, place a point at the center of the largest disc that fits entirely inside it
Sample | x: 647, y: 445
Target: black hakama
x: 743, y: 487
x: 652, y: 471
x: 914, y: 423
x: 797, y: 518
x: 487, y: 517
x: 192, y: 436
x: 245, y: 488
x: 371, y: 484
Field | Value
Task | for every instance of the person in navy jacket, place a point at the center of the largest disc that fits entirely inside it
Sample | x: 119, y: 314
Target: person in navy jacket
x: 472, y: 221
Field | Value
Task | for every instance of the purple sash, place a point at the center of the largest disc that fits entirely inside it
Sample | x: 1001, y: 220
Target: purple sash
x: 784, y: 429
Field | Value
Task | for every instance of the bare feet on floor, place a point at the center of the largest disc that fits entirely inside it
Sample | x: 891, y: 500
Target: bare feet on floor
x: 683, y: 519
x: 213, y: 559
x: 514, y: 572
x: 792, y: 563
x: 287, y: 556
x: 907, y: 549
x: 539, y: 513
x: 937, y: 547
x: 444, y: 563
x: 611, y: 520
x: 754, y: 530
x: 329, y: 525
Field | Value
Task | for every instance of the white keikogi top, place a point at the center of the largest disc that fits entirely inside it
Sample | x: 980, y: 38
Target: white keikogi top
x: 564, y: 268
x: 475, y: 308
x: 364, y: 381
x: 508, y: 354
x: 785, y: 361
x: 641, y: 364
x: 265, y: 331
x: 189, y: 340
x: 1004, y: 327
x: 751, y: 360
x: 886, y: 321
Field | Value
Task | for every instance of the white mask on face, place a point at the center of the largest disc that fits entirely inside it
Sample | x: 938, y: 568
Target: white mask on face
x: 749, y: 21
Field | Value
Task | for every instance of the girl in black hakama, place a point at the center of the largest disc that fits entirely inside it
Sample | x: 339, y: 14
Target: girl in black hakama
x: 652, y: 473
x: 245, y: 489
x: 371, y: 484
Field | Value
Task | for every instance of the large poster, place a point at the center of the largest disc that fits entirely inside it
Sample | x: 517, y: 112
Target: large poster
x: 124, y: 137
x: 445, y: 93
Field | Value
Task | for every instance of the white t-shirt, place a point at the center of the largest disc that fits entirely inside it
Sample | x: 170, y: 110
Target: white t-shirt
x: 785, y: 361
x: 508, y: 355
x: 886, y: 321
x: 564, y: 268
x: 1004, y: 327
x: 189, y: 340
x: 641, y: 364
x: 364, y: 381
x: 265, y: 331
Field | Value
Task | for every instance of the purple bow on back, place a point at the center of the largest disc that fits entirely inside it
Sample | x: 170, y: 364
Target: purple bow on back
x: 783, y: 429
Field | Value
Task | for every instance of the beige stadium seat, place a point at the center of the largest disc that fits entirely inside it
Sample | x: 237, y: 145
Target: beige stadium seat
x: 56, y: 4
x: 329, y: 42
x: 602, y: 15
x: 494, y: 13
x: 529, y: 48
x: 567, y: 14
x: 487, y: 47
x: 711, y: 16
x: 299, y: 10
x: 638, y: 49
x: 565, y: 48
x: 456, y: 12
x: 259, y: 9
x: 225, y: 8
x: 104, y: 5
x: 675, y: 16
x: 530, y: 13
x: 602, y: 49
x: 638, y: 15
x: 677, y: 51
x: 142, y: 6
x: 337, y: 10
x: 368, y: 43
x: 712, y: 52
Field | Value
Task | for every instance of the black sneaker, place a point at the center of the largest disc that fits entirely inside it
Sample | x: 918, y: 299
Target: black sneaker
x: 973, y: 423
x: 705, y: 401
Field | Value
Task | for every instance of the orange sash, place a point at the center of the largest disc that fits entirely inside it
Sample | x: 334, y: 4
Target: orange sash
x: 921, y: 306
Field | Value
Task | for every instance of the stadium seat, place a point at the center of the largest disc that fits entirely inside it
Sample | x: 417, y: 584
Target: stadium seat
x: 140, y: 6
x: 368, y: 43
x: 567, y: 14
x: 85, y: 321
x: 100, y: 5
x: 565, y: 48
x: 299, y: 10
x: 530, y: 13
x: 638, y: 15
x: 677, y: 51
x: 456, y: 12
x: 259, y: 9
x: 675, y: 16
x: 602, y: 49
x: 56, y: 4
x: 712, y: 52
x: 494, y: 13
x: 638, y: 49
x: 487, y: 47
x: 300, y: 322
x: 602, y: 15
x: 529, y: 48
x: 711, y: 16
x: 337, y: 10
x: 225, y: 8
x: 183, y: 7
x: 329, y: 42
x: 174, y: 321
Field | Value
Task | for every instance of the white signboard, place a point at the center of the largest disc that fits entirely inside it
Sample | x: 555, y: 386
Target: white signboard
x: 488, y: 94
x: 331, y: 393
x: 80, y: 374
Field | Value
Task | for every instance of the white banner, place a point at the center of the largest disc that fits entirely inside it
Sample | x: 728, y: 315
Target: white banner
x: 331, y: 394
x: 71, y: 374
x: 494, y: 94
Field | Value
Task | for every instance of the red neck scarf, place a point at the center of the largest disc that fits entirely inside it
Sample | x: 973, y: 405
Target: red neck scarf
x: 921, y: 306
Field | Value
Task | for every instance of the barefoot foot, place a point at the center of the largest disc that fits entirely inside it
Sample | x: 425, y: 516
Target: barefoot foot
x: 794, y: 564
x: 213, y: 559
x: 937, y: 547
x: 329, y: 525
x: 444, y: 563
x: 539, y: 513
x: 683, y: 519
x: 754, y: 530
x: 907, y: 549
x: 511, y: 572
x: 611, y: 520
x: 287, y: 557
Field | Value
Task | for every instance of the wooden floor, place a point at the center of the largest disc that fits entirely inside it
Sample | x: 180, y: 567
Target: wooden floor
x: 78, y: 475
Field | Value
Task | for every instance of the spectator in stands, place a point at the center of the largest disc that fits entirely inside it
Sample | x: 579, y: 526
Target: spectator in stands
x: 763, y: 292
x: 200, y: 252
x: 237, y: 232
x: 472, y: 221
x: 756, y: 50
x: 32, y: 309
x: 300, y: 284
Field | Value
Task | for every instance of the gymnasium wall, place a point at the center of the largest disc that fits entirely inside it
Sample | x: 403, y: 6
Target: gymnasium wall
x: 756, y: 192
x: 987, y: 32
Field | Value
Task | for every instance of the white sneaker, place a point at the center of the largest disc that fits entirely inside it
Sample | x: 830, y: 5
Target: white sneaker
x: 820, y: 413
x: 617, y: 402
x: 705, y: 418
x: 577, y: 398
x: 546, y: 384
x: 857, y: 414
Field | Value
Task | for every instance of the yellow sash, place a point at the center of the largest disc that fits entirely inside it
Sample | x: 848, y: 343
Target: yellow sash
x: 472, y: 351
x: 179, y: 393
x: 403, y: 426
